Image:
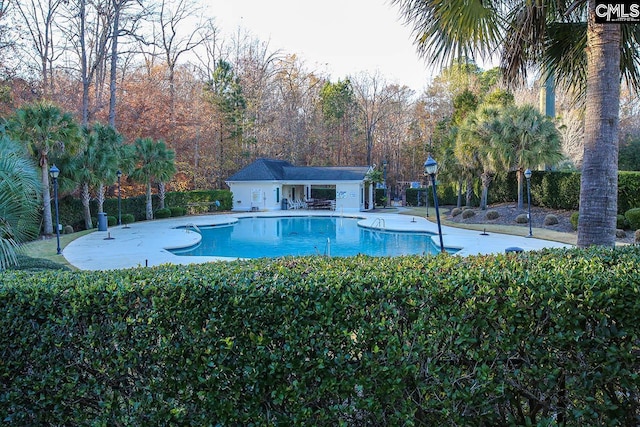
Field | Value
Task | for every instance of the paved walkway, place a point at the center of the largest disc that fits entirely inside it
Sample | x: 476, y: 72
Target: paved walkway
x: 145, y: 243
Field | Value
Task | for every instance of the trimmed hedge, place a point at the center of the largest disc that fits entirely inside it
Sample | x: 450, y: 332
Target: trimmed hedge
x: 70, y: 208
x: 539, y: 338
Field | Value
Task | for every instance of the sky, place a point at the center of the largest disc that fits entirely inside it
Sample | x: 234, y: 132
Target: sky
x: 337, y: 37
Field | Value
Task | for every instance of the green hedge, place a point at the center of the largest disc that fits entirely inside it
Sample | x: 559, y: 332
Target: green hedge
x: 558, y: 190
x: 543, y: 338
x: 70, y: 208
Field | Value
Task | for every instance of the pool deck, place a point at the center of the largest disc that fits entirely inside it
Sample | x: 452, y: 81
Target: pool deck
x: 146, y: 243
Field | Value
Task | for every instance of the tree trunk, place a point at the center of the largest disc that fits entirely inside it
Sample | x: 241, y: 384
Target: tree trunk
x: 161, y: 195
x: 486, y: 181
x: 86, y: 198
x: 459, y: 203
x: 599, y: 180
x: 519, y: 175
x: 47, y: 222
x: 149, y: 204
x: 114, y: 63
x: 469, y: 192
x: 100, y: 197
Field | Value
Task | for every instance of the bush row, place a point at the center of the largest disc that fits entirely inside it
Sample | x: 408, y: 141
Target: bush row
x: 192, y: 202
x: 542, y: 338
x: 550, y: 189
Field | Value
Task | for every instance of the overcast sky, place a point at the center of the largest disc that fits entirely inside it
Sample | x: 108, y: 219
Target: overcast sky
x: 339, y: 37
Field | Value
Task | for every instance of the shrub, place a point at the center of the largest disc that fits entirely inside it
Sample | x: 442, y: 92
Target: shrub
x: 637, y: 237
x: 620, y: 234
x: 621, y: 222
x: 68, y: 229
x: 328, y: 341
x: 111, y: 221
x: 456, y: 211
x: 574, y: 220
x: 551, y: 219
x: 162, y: 213
x: 468, y: 213
x: 128, y: 218
x: 522, y: 219
x: 633, y: 217
x: 177, y: 211
x: 27, y: 263
x: 492, y: 214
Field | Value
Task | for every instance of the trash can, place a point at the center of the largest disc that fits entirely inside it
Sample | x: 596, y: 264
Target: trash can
x: 102, y: 221
x: 285, y: 204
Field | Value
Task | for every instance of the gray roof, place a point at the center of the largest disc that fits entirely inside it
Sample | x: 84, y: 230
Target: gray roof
x: 279, y: 170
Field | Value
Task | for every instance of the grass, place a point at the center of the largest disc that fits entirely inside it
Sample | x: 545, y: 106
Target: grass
x: 46, y: 248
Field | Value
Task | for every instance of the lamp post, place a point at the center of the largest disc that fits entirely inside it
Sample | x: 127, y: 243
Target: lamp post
x: 54, y: 172
x: 527, y: 174
x: 119, y: 175
x: 384, y: 178
x: 430, y: 168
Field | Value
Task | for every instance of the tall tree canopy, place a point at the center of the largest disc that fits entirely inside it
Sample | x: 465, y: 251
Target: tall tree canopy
x: 45, y: 131
x: 562, y: 38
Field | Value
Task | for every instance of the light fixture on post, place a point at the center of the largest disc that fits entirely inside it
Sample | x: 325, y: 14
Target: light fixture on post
x: 527, y: 174
x: 119, y: 175
x: 55, y: 172
x: 431, y: 168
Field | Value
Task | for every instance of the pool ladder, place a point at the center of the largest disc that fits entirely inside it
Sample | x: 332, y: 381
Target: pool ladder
x: 379, y: 222
x: 192, y: 225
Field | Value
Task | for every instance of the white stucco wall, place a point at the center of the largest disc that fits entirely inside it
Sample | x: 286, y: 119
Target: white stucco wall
x: 267, y: 196
x: 257, y: 196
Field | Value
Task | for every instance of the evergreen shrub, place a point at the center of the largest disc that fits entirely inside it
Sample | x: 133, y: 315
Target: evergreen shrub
x: 177, y: 211
x: 621, y: 222
x: 574, y: 220
x: 551, y: 219
x: 492, y: 214
x: 162, y: 213
x: 633, y: 218
x: 112, y: 220
x: 128, y: 219
x: 522, y: 219
x: 507, y: 339
x: 468, y: 213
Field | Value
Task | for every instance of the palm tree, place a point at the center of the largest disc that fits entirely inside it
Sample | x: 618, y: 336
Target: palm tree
x: 46, y: 131
x: 153, y: 162
x: 554, y: 36
x: 109, y: 158
x: 526, y: 140
x: 19, y: 200
x: 475, y: 147
x: 95, y: 165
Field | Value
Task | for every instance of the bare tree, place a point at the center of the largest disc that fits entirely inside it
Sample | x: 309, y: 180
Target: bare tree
x: 175, y: 35
x: 89, y: 32
x: 39, y: 18
x: 371, y: 95
x: 119, y: 9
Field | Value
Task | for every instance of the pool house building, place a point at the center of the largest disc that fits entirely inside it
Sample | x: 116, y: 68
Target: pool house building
x: 270, y: 185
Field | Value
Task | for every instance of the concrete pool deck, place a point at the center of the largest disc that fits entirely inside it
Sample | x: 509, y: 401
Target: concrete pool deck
x: 146, y: 243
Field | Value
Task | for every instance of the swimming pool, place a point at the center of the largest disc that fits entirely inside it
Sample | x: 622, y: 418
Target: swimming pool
x: 257, y: 237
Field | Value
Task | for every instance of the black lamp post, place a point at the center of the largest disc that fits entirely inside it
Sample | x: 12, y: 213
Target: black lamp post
x: 430, y: 168
x: 119, y: 175
x: 54, y: 172
x: 527, y: 174
x: 384, y: 177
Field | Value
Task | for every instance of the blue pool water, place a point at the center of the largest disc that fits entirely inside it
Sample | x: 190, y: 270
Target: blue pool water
x: 258, y: 237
